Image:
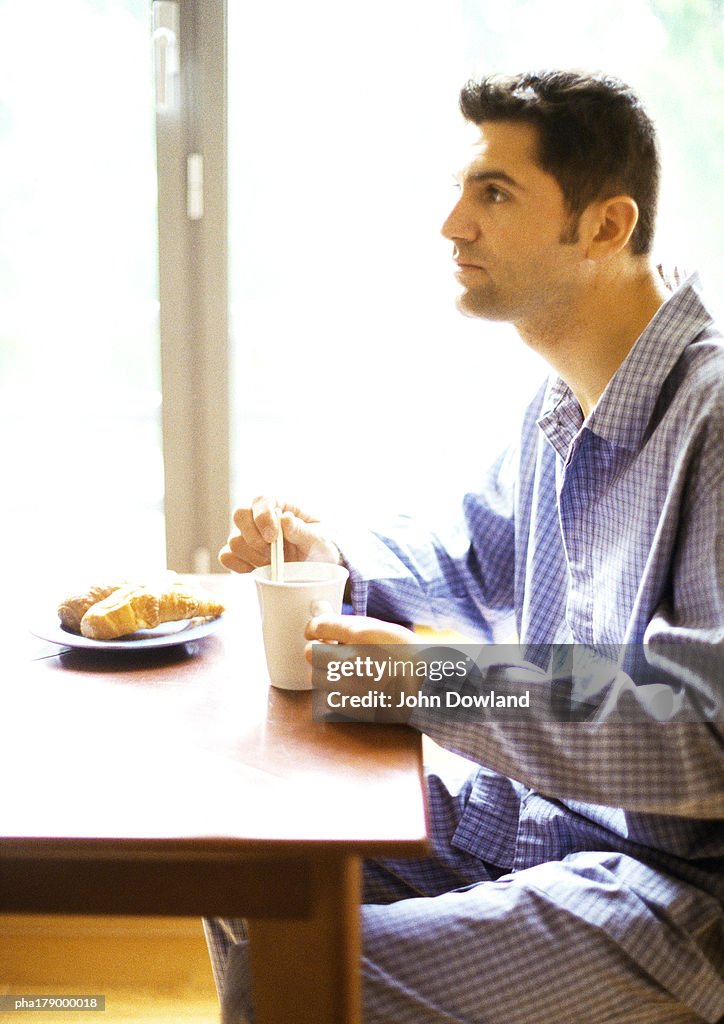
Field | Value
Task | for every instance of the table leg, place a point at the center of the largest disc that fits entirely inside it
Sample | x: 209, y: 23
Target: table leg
x: 307, y: 970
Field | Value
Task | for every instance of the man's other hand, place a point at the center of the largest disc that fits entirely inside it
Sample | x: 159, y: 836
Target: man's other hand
x: 256, y: 528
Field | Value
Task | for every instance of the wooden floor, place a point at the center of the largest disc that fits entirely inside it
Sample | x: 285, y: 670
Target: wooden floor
x: 150, y: 970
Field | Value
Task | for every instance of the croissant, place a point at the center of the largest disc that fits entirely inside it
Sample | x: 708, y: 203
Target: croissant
x: 72, y: 609
x: 137, y: 606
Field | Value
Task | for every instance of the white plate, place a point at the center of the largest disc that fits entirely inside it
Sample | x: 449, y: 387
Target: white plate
x: 166, y: 635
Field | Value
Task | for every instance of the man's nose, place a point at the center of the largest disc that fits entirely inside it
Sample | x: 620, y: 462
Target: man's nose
x: 458, y: 224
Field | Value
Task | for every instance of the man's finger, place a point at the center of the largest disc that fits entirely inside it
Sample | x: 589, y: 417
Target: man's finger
x: 328, y: 628
x: 265, y: 516
x: 229, y: 560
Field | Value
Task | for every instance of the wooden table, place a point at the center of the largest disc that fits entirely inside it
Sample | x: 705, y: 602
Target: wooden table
x: 177, y: 782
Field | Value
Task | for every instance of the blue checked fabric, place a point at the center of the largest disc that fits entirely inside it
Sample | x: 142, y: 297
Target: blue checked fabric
x: 578, y: 872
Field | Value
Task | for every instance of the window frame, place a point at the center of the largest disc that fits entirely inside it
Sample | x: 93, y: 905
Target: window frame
x: 193, y: 296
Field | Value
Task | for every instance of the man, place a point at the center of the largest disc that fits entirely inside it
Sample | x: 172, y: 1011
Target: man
x: 577, y: 872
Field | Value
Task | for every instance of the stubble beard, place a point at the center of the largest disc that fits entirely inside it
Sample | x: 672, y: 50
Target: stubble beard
x: 484, y: 304
x: 537, y: 294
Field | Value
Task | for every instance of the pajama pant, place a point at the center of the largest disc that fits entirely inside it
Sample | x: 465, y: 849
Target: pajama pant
x: 449, y: 939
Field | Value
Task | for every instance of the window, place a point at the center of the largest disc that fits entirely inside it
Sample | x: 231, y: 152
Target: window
x: 106, y: 462
x: 80, y: 399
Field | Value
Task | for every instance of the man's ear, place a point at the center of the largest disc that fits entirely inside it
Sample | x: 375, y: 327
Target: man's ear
x: 613, y: 222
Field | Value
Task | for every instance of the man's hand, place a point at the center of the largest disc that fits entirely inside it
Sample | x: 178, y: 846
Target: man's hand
x: 248, y: 546
x: 355, y: 629
x: 378, y: 698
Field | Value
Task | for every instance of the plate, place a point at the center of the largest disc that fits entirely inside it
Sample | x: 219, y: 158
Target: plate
x: 166, y: 635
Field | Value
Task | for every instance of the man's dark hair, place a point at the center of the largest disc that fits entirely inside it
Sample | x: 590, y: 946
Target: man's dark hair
x: 594, y: 137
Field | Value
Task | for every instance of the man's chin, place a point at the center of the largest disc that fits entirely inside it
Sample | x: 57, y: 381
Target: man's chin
x: 473, y: 305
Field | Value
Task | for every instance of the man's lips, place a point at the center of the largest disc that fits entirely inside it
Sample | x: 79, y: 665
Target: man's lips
x: 464, y: 265
x: 465, y: 261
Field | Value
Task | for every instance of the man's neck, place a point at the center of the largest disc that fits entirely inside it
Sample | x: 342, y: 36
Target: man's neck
x: 588, y: 343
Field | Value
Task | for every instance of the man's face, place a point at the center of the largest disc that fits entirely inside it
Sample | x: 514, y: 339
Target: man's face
x: 507, y: 227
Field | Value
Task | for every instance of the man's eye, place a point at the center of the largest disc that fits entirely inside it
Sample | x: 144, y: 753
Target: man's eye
x: 495, y: 195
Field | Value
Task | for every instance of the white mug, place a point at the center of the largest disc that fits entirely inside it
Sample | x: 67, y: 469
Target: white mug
x: 308, y: 589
